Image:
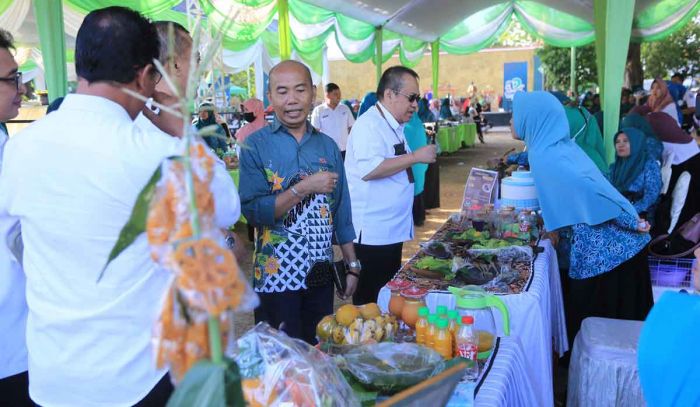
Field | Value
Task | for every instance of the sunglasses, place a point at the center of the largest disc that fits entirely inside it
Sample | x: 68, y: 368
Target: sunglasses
x: 412, y: 98
x: 16, y: 78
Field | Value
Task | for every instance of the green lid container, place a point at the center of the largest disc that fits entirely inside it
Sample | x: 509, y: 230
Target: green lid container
x: 441, y: 310
x: 423, y: 312
x: 453, y: 314
x: 442, y: 323
x: 432, y: 319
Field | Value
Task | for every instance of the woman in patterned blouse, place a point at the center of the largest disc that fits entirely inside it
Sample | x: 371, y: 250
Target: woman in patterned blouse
x: 608, y: 269
x: 634, y: 173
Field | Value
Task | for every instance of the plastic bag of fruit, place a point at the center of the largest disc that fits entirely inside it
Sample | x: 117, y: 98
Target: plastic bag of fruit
x: 281, y: 371
x: 354, y: 325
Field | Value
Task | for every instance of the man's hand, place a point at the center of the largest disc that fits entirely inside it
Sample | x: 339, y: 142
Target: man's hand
x: 165, y: 121
x: 322, y: 182
x: 350, y: 286
x: 426, y: 154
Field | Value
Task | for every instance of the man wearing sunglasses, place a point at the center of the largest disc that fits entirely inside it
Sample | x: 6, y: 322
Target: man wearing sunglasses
x: 378, y: 166
x: 13, y: 306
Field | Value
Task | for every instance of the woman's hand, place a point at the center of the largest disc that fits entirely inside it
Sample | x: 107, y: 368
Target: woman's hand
x: 643, y: 226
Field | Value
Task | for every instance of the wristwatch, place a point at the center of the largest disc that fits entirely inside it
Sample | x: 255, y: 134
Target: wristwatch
x: 354, y: 265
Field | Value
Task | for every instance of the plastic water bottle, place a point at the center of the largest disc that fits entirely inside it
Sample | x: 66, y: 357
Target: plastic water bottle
x: 467, y: 347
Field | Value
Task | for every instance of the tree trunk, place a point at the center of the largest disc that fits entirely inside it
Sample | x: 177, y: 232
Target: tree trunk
x: 634, y: 75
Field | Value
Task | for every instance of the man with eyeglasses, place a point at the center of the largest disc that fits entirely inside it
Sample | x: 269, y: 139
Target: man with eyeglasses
x: 13, y: 306
x: 378, y: 166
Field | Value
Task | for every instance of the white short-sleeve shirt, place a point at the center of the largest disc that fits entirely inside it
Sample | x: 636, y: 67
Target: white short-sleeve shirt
x: 335, y: 123
x: 381, y: 208
x: 71, y: 179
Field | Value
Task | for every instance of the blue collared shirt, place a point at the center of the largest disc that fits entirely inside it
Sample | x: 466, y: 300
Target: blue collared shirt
x: 271, y: 162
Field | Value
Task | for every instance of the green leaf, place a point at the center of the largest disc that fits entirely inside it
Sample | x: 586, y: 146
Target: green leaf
x: 137, y: 221
x: 209, y: 384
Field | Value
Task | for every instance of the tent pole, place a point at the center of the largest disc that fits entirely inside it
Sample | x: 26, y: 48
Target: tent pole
x: 378, y: 52
x: 613, y: 23
x: 49, y: 22
x: 284, y: 30
x: 435, y: 53
x: 572, y: 71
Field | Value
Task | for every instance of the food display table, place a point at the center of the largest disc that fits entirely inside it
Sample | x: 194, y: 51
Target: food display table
x: 506, y: 379
x: 536, y: 318
x: 452, y: 138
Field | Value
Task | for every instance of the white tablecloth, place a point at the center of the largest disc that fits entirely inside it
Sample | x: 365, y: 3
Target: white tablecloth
x: 536, y: 319
x: 507, y: 377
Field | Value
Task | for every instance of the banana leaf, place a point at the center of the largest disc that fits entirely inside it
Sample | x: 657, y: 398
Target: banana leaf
x: 209, y: 384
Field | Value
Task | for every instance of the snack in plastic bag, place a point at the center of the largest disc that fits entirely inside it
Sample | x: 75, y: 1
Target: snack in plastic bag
x: 281, y: 371
x: 391, y: 367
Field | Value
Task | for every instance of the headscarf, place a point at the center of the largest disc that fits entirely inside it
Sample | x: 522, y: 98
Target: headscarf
x: 445, y: 112
x: 654, y: 147
x: 424, y: 113
x: 214, y: 141
x: 667, y: 356
x: 625, y: 170
x: 584, y: 130
x: 349, y: 105
x: 561, y: 169
x: 658, y: 104
x: 211, y: 117
x: 256, y: 107
x: 368, y: 101
x: 667, y: 128
x: 416, y: 138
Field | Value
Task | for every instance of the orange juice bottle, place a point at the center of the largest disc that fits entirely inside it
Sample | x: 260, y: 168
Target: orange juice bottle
x: 432, y: 330
x: 422, y: 325
x: 453, y: 327
x: 443, y: 339
x: 441, y: 310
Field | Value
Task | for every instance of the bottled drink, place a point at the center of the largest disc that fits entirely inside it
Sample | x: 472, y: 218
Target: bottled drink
x: 422, y: 325
x: 432, y: 330
x: 443, y: 339
x: 467, y: 346
x: 525, y: 225
x: 453, y: 327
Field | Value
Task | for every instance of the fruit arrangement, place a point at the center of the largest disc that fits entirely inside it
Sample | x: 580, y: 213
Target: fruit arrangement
x: 353, y: 325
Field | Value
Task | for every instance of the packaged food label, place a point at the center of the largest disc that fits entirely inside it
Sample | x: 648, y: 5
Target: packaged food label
x: 467, y: 351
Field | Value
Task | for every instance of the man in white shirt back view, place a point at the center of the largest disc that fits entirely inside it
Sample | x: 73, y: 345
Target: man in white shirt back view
x: 333, y: 118
x: 13, y: 307
x: 71, y: 179
x: 378, y: 168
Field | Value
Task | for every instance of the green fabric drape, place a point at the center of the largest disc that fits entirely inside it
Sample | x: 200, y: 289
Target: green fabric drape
x: 613, y: 28
x: 378, y: 52
x: 435, y: 53
x: 146, y: 7
x: 49, y: 23
x: 284, y: 30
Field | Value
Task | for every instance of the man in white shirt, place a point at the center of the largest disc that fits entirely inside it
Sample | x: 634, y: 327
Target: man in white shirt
x: 71, y: 179
x: 13, y: 306
x: 333, y: 118
x: 378, y: 165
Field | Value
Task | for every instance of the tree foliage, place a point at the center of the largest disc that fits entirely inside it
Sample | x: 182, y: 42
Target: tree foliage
x: 556, y: 63
x: 676, y: 53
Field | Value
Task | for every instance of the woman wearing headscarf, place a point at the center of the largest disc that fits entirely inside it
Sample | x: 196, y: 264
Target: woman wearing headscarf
x: 608, y: 270
x: 661, y: 100
x: 349, y: 105
x: 424, y: 113
x: 207, y: 117
x: 435, y: 108
x: 368, y: 101
x: 416, y: 138
x: 584, y: 131
x: 654, y: 147
x: 681, y: 200
x: 634, y: 173
x: 431, y: 191
x: 445, y: 112
x: 667, y: 355
x: 254, y: 114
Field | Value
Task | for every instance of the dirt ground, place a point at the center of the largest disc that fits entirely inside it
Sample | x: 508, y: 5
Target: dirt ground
x: 454, y: 169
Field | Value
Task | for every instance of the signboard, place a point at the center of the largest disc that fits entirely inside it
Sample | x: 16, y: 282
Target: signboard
x: 514, y: 80
x: 481, y: 188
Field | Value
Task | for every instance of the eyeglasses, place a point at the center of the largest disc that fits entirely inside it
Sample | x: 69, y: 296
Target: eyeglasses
x: 413, y: 97
x: 16, y: 78
x: 158, y: 76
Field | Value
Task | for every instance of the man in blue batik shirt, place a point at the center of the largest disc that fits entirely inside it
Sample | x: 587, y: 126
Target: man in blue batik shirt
x: 293, y: 190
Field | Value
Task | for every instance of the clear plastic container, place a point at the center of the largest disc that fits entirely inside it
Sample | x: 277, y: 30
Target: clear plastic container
x: 468, y: 347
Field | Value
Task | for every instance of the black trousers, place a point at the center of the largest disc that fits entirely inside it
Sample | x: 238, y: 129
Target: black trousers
x: 431, y: 192
x: 418, y: 210
x: 379, y: 264
x: 296, y: 312
x: 14, y: 391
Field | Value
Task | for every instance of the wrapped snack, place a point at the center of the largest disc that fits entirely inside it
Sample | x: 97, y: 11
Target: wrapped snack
x: 392, y: 367
x: 281, y: 371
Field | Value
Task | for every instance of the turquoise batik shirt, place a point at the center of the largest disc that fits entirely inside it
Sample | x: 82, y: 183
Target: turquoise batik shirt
x: 646, y: 189
x: 598, y: 249
x: 286, y: 249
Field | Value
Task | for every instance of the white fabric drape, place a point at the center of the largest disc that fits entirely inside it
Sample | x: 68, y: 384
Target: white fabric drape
x: 13, y: 18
